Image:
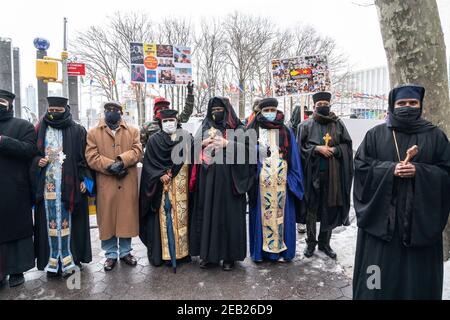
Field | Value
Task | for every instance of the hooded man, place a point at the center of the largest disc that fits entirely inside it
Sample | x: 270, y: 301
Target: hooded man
x: 165, y: 191
x: 113, y: 151
x: 160, y: 104
x: 17, y: 149
x: 279, y: 180
x: 326, y: 151
x: 219, y: 185
x: 401, y: 198
x: 62, y: 233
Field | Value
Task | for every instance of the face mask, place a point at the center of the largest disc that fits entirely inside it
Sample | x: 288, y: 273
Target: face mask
x: 271, y: 116
x: 218, y: 116
x: 408, y: 113
x: 324, y: 111
x: 112, y: 117
x: 169, y: 127
x: 55, y: 115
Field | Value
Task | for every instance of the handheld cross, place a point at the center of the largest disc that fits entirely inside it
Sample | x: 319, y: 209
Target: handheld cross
x: 327, y: 139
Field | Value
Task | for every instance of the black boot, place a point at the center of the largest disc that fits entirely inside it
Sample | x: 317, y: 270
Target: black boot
x: 16, y: 280
x: 3, y: 282
x: 309, y: 251
x: 228, y: 265
x: 328, y: 251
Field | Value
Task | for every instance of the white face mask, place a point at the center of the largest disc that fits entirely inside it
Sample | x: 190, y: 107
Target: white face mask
x: 169, y: 127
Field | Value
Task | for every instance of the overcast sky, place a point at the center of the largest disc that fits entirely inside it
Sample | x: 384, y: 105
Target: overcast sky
x: 354, y: 27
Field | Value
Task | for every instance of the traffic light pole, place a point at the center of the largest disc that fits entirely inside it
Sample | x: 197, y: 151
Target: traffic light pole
x: 64, y: 57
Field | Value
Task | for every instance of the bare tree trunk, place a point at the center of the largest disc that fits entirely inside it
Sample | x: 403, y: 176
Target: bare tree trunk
x: 415, y: 49
x: 241, y: 99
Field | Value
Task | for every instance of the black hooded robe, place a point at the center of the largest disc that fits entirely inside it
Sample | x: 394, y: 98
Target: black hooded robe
x: 75, y: 171
x: 218, y: 220
x: 157, y: 160
x: 17, y: 149
x: 309, y: 135
x: 401, y: 220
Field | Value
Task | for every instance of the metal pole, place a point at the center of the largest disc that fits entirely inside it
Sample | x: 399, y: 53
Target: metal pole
x: 64, y: 57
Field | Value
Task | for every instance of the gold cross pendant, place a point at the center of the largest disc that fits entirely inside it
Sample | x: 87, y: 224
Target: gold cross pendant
x: 327, y: 139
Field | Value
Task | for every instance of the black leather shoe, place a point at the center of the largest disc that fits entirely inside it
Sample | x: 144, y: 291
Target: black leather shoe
x: 129, y: 260
x: 110, y: 264
x: 16, y: 280
x: 80, y: 266
x: 3, y: 282
x: 328, y: 251
x: 54, y: 275
x: 205, y: 264
x: 309, y: 251
x: 228, y: 265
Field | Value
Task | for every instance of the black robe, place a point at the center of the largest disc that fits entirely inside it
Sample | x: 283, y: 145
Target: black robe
x: 17, y: 149
x: 75, y: 171
x: 218, y: 219
x: 309, y: 135
x: 157, y: 160
x: 401, y: 220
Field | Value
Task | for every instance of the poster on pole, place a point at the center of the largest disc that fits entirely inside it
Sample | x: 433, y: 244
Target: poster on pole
x: 161, y: 64
x: 300, y: 75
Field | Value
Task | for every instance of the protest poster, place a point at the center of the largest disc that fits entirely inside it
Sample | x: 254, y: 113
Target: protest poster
x: 160, y: 63
x: 300, y: 75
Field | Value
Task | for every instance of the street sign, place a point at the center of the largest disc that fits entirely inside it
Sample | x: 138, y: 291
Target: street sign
x: 76, y: 69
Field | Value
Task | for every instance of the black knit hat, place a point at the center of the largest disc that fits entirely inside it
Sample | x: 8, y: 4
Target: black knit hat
x: 322, y: 96
x: 268, y: 102
x: 8, y: 96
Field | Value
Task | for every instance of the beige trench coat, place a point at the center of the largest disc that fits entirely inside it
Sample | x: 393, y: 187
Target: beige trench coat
x: 117, y: 200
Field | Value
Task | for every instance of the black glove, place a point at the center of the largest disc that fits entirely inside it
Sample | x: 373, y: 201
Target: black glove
x: 190, y: 87
x: 122, y: 174
x: 115, y: 168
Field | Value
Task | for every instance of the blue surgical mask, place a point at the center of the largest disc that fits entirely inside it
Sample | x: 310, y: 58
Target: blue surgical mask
x: 271, y: 116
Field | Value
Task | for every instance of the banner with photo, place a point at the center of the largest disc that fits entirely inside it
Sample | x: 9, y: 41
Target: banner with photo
x: 160, y: 63
x: 300, y: 75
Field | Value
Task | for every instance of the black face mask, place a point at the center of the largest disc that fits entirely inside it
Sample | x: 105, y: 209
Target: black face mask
x: 408, y: 113
x: 112, y: 117
x: 324, y: 111
x: 218, y: 116
x: 55, y: 115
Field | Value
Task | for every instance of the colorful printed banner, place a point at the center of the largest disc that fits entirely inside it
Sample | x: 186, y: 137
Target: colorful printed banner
x: 160, y: 64
x: 300, y: 75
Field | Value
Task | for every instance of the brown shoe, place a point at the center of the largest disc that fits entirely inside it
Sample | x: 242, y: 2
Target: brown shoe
x: 129, y: 260
x: 110, y: 264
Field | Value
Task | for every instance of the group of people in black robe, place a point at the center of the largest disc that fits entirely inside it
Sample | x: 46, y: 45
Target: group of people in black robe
x: 195, y: 191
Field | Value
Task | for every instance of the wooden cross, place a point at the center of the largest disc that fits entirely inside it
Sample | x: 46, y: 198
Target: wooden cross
x: 327, y: 139
x: 411, y: 153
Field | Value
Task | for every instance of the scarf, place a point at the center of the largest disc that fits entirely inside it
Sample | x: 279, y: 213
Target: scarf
x: 278, y: 123
x: 70, y: 189
x: 6, y: 114
x: 334, y: 167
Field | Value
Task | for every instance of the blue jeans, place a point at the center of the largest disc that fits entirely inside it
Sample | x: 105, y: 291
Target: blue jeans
x: 114, y: 245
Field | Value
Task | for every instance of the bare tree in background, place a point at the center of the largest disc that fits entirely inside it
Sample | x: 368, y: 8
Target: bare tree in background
x: 133, y: 27
x: 415, y: 49
x: 247, y: 38
x: 308, y: 41
x: 176, y: 31
x: 97, y: 48
x: 210, y: 60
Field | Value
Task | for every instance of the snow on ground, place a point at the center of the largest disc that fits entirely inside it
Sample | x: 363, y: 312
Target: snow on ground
x: 343, y: 242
